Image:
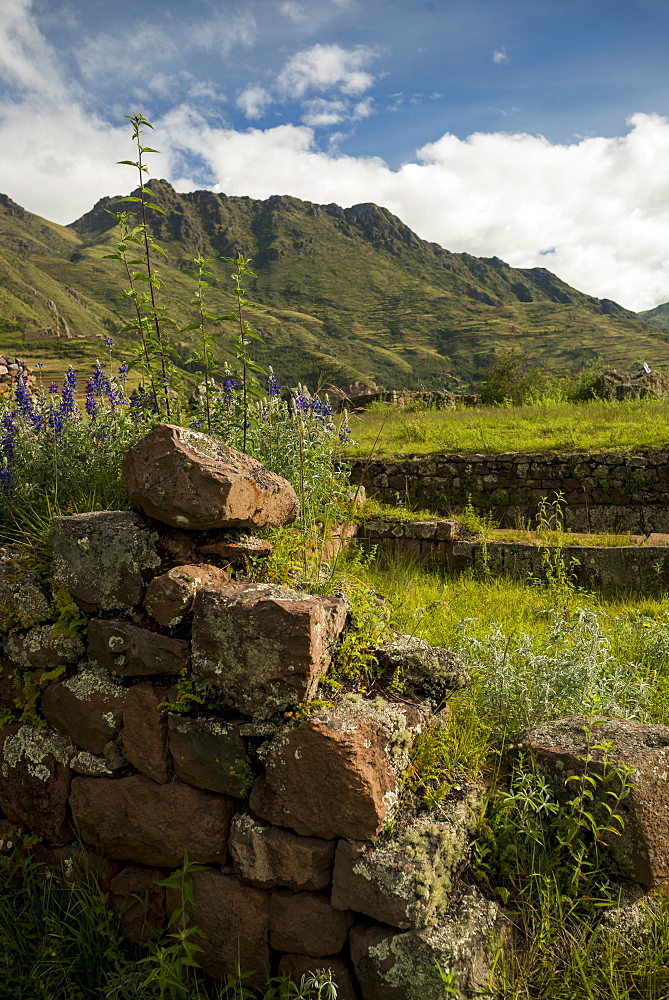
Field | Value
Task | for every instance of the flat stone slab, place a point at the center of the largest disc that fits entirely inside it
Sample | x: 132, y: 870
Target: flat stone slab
x: 267, y: 856
x: 125, y: 649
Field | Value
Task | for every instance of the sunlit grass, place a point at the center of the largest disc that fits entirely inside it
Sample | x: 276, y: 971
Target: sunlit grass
x: 591, y: 426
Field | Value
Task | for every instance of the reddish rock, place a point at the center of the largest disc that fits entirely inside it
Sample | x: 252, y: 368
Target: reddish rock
x: 405, y: 878
x: 169, y: 598
x: 429, y: 671
x: 22, y: 592
x: 35, y: 781
x: 87, y: 707
x: 298, y: 966
x: 209, y: 753
x: 136, y: 819
x: 100, y: 557
x: 237, y: 548
x: 264, y: 647
x: 234, y: 919
x: 266, y: 856
x: 40, y: 649
x: 144, y: 736
x: 304, y: 922
x: 130, y: 651
x: 189, y: 480
x: 558, y: 748
x: 396, y: 965
x: 350, y: 758
x: 141, y: 919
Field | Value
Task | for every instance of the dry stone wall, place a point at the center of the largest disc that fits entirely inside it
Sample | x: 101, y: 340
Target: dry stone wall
x: 187, y: 717
x: 602, y: 491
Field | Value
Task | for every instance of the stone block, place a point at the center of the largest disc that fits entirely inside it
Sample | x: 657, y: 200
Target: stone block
x: 641, y: 852
x: 236, y: 547
x: 267, y: 856
x: 391, y: 965
x: 136, y: 819
x: 40, y: 649
x: 35, y: 781
x: 144, y: 918
x: 130, y: 651
x: 100, y: 557
x: 430, y: 671
x: 350, y: 758
x: 87, y: 707
x: 75, y: 863
x: 23, y: 593
x: 405, y: 879
x: 306, y: 923
x: 144, y: 736
x: 234, y: 919
x: 169, y: 597
x: 263, y: 647
x: 209, y: 753
x: 190, y: 480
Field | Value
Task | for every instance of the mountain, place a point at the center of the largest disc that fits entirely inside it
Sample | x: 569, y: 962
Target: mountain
x: 344, y: 293
x: 657, y: 317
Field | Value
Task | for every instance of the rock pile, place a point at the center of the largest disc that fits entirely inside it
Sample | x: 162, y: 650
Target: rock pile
x: 186, y: 720
x: 10, y: 367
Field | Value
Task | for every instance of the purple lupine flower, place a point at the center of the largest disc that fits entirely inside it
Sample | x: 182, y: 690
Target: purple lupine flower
x: 327, y: 413
x: 123, y: 372
x: 196, y: 423
x: 273, y: 388
x: 91, y: 405
x: 23, y: 398
x: 8, y: 438
x: 56, y: 419
x: 345, y: 430
x: 54, y: 388
x: 67, y: 401
x: 229, y: 383
x: 6, y: 479
x: 109, y: 342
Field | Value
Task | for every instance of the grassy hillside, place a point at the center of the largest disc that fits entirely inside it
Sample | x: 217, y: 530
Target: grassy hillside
x: 657, y: 317
x: 345, y: 293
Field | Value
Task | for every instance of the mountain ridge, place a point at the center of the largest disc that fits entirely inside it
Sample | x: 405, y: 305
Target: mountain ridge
x: 345, y: 293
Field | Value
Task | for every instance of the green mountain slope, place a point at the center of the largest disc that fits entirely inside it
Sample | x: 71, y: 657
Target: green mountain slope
x: 345, y: 293
x: 657, y: 317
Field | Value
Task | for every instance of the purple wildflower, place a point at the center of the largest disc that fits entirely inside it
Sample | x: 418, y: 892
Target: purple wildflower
x: 273, y: 388
x: 54, y: 388
x: 109, y: 342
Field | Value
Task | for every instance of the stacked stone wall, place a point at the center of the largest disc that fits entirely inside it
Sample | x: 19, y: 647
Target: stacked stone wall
x: 602, y: 491
x: 188, y: 716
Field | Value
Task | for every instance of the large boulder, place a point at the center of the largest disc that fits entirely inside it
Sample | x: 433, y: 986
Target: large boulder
x: 264, y: 648
x: 35, y: 780
x: 350, y: 759
x: 267, y: 856
x: 100, y: 557
x: 405, y: 879
x: 392, y: 965
x: 190, y: 480
x: 575, y: 745
x: 136, y: 819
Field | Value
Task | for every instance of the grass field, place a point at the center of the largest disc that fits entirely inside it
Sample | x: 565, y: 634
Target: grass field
x: 591, y: 426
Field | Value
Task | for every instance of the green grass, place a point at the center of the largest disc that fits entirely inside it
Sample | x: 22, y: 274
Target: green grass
x: 592, y: 426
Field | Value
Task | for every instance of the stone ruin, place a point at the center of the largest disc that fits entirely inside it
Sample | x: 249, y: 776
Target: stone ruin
x: 10, y: 367
x: 287, y: 795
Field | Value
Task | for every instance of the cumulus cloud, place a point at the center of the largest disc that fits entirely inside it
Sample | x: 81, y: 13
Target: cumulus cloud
x: 324, y: 67
x: 499, y: 57
x: 254, y: 102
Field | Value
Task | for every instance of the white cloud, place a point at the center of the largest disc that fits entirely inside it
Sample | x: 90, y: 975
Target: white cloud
x: 254, y: 101
x: 500, y: 57
x: 326, y: 67
x: 320, y: 112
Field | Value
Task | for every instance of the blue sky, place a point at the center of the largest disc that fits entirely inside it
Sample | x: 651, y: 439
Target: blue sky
x: 534, y: 130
